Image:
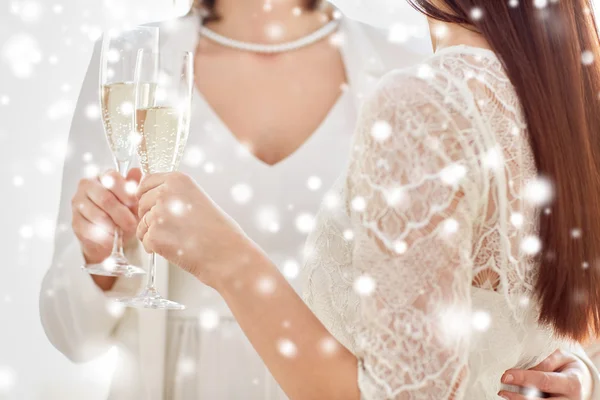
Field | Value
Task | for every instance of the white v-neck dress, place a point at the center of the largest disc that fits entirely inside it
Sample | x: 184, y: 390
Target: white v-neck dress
x: 207, y: 354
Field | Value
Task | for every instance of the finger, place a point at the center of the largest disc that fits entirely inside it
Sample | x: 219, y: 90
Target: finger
x: 118, y: 186
x: 121, y: 216
x: 89, y: 211
x: 142, y: 227
x: 148, y: 200
x: 149, y: 240
x: 517, y: 396
x: 92, y: 234
x: 150, y: 182
x: 555, y: 362
x: 548, y: 382
x: 134, y: 175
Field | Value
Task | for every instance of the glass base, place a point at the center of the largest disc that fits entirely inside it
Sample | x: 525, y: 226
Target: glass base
x: 115, y: 265
x: 150, y: 298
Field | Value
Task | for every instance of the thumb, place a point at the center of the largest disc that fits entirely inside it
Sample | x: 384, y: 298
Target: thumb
x: 134, y: 174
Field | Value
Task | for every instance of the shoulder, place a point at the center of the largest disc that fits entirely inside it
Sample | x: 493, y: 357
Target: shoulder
x: 428, y: 84
x: 395, y: 52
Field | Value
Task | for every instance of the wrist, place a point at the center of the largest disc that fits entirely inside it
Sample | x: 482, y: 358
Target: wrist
x: 240, y: 267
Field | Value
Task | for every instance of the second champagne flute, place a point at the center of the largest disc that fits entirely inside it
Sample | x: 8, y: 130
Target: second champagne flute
x: 163, y: 129
x: 117, y: 96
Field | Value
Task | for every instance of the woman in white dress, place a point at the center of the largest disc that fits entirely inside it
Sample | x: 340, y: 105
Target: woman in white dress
x: 272, y: 191
x: 459, y: 242
x: 269, y: 135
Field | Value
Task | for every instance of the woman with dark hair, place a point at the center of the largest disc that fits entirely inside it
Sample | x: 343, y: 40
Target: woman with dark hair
x: 463, y: 237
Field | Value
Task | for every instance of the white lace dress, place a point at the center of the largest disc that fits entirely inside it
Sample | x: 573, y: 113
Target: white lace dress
x: 422, y: 267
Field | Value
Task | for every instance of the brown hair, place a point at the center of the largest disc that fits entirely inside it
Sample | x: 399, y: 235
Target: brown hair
x: 542, y: 50
x: 208, y: 7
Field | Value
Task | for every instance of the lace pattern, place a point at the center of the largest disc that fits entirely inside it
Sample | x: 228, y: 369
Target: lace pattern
x: 430, y: 208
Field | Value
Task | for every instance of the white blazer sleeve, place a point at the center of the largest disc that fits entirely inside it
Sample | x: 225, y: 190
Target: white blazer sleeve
x: 77, y: 316
x: 580, y: 352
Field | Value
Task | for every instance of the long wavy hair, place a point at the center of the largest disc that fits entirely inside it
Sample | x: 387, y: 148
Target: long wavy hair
x: 208, y: 8
x: 551, y: 54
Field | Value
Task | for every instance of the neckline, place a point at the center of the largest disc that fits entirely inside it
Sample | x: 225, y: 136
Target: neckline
x: 231, y: 137
x: 466, y: 49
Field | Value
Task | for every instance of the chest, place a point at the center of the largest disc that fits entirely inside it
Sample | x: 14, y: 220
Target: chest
x: 272, y: 104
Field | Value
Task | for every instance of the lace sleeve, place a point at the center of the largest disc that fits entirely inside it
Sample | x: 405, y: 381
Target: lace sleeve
x: 413, y: 192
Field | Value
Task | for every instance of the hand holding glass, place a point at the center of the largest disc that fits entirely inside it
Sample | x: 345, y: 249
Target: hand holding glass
x: 117, y: 98
x: 163, y: 128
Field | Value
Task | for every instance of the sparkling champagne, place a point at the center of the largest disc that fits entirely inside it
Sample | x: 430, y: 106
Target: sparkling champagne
x: 118, y: 108
x: 163, y: 135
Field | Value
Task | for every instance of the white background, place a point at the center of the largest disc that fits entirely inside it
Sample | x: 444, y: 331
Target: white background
x: 45, y: 47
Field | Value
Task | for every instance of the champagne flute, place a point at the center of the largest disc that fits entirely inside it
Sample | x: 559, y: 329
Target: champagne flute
x: 163, y: 128
x: 117, y: 98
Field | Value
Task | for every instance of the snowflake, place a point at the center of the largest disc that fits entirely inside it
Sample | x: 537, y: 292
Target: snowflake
x: 576, y: 233
x: 481, y: 321
x: 22, y: 52
x: 4, y: 100
x: 287, y: 348
x: 92, y: 111
x: 328, y: 345
x: 531, y: 245
x: 18, y: 181
x: 348, y: 234
x: 26, y: 232
x: 395, y: 196
x: 476, y: 13
x: 331, y: 200
x: 176, y: 207
x: 398, y: 33
x: 7, y: 379
x: 29, y: 11
x: 266, y: 285
x: 451, y: 226
x: 115, y: 309
x: 314, y: 183
x: 267, y: 7
x: 585, y: 265
x: 60, y: 109
x: 452, y: 174
x: 305, y: 222
x: 587, y: 57
x: 425, y: 72
x: 268, y: 219
x: 193, y: 156
x: 209, y: 168
x: 131, y: 187
x: 539, y: 191
x: 209, y: 319
x: 107, y: 181
x: 494, y: 159
x: 440, y: 31
x: 359, y: 203
x: 291, y: 269
x: 513, y: 3
x: 297, y: 11
x: 241, y: 193
x: 275, y: 31
x: 400, y: 246
x: 57, y: 8
x: 517, y: 220
x: 381, y: 131
x: 364, y: 285
x: 540, y: 3
x: 44, y: 228
x: 186, y: 366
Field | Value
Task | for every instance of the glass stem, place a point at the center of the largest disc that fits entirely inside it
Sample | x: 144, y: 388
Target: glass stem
x: 152, y: 273
x: 122, y: 168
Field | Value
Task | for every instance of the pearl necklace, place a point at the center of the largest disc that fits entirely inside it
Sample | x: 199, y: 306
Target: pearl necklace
x: 305, y: 41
